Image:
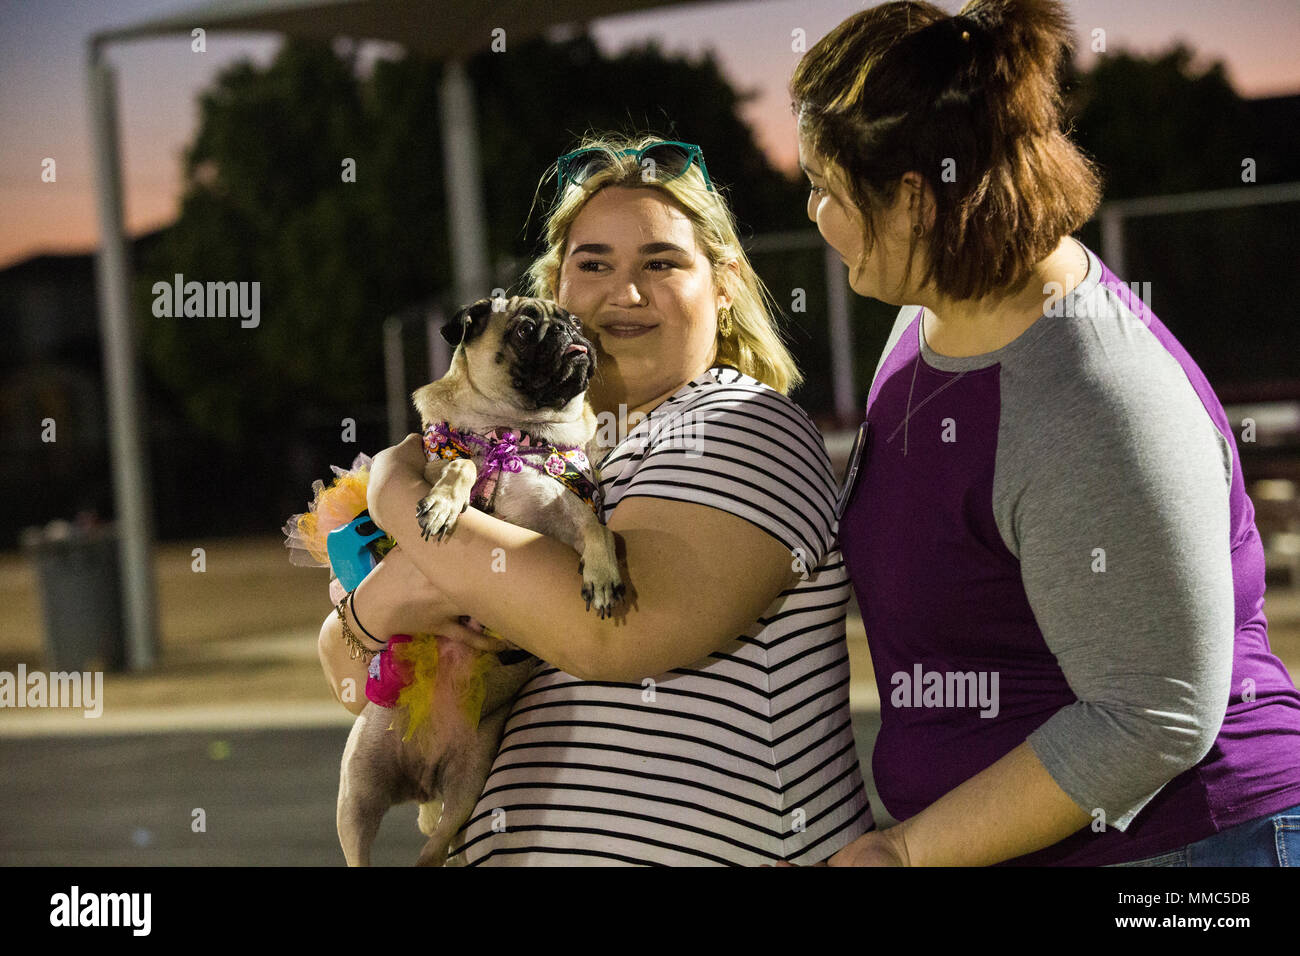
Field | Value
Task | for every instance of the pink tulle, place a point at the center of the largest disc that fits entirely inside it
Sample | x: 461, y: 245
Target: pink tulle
x: 387, y: 676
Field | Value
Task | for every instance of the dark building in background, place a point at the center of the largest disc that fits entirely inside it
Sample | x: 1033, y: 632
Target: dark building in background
x: 52, y: 370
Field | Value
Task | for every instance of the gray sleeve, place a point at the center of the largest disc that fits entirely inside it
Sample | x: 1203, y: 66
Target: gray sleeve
x: 1111, y: 487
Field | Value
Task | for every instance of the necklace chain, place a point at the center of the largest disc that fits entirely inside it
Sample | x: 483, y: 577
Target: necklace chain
x: 907, y: 417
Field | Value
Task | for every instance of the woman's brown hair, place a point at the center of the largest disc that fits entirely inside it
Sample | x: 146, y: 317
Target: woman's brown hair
x: 972, y: 103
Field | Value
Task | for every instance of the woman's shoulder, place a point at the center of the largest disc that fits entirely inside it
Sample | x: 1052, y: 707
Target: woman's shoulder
x: 728, y: 391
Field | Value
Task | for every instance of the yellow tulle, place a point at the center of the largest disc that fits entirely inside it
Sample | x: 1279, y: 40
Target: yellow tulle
x: 459, y: 675
x: 334, y: 507
x: 444, y: 695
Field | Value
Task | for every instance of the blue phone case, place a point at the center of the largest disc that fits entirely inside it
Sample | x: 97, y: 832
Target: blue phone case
x: 351, y: 549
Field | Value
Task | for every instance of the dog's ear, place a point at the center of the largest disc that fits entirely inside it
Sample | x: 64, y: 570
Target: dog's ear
x: 466, y: 324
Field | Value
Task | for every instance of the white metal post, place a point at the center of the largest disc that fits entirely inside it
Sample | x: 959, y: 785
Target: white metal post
x: 466, y: 220
x: 129, y: 460
x: 395, y: 379
x: 841, y: 340
x: 1112, y: 239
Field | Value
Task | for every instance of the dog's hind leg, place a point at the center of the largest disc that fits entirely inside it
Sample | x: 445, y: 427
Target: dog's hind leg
x: 463, y: 777
x: 358, y: 824
x: 366, y: 788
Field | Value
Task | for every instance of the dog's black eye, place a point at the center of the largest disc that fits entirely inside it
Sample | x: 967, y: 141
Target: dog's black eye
x: 524, y: 329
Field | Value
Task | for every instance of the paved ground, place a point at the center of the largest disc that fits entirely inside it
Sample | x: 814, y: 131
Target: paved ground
x: 237, y: 721
x: 267, y: 798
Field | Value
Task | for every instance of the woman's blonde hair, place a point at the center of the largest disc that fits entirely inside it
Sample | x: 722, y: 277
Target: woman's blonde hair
x: 754, y: 347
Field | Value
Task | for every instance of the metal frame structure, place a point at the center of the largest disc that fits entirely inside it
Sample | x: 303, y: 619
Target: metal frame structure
x: 452, y: 31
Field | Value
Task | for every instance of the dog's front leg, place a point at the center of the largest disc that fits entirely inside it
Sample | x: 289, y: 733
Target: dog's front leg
x: 602, y: 582
x: 452, y: 483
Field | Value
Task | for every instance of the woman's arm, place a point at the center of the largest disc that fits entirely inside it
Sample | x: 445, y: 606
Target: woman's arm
x: 346, y: 676
x: 1009, y: 809
x: 394, y: 598
x: 1120, y: 522
x: 697, y: 577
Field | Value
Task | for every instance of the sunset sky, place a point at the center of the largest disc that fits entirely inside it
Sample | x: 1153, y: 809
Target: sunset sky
x: 43, y: 111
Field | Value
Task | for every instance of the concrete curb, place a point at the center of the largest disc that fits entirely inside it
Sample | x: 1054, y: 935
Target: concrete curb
x: 259, y: 715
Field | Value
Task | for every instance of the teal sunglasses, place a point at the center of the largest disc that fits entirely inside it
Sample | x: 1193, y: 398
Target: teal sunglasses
x: 669, y: 160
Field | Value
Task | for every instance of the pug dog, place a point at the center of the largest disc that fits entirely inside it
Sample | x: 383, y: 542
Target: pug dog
x: 507, y: 429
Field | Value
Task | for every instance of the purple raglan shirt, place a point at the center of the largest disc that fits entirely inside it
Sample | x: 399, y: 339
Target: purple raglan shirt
x: 1053, y: 543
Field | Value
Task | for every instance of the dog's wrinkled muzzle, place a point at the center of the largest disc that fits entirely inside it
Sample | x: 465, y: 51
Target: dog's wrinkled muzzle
x: 555, y: 363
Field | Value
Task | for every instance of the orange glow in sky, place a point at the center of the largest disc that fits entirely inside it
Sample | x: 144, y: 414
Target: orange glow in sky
x: 44, y: 113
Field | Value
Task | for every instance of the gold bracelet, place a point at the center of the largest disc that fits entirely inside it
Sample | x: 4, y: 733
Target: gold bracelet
x: 355, y: 647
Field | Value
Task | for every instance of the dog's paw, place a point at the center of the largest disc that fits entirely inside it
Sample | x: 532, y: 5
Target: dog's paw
x: 602, y: 587
x: 437, y: 514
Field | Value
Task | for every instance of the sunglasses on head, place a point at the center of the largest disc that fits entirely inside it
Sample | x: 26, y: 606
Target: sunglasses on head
x: 659, y: 161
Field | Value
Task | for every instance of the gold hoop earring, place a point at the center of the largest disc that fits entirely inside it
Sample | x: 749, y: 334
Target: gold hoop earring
x: 724, y: 322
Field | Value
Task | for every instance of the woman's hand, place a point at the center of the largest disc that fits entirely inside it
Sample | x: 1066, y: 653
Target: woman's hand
x: 402, y: 462
x: 394, y: 598
x: 875, y: 848
x: 337, y: 591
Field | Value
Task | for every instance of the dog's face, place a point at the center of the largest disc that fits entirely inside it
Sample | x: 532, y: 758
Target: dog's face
x: 528, y: 353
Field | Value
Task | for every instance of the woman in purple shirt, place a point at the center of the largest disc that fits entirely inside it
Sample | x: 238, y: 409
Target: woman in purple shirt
x: 1046, y: 524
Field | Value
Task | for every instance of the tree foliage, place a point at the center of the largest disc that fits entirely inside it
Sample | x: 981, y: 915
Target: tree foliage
x: 265, y: 201
x: 1159, y: 125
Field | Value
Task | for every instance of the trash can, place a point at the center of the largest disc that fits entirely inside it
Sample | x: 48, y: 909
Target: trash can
x: 79, y: 577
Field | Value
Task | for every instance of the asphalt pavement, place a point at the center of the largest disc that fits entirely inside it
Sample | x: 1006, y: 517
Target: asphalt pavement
x: 227, y: 751
x: 263, y: 798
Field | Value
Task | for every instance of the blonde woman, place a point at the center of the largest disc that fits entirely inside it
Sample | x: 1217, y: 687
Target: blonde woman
x: 709, y: 725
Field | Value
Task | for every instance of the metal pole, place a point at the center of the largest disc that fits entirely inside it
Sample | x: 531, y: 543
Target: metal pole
x: 841, y: 339
x: 113, y: 284
x: 439, y: 350
x: 394, y: 380
x: 1112, y: 239
x: 466, y: 221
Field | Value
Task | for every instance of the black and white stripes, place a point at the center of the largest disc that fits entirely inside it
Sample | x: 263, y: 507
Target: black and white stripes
x: 745, y: 757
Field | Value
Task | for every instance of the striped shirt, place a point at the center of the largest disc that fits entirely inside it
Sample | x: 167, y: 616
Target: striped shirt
x: 745, y: 757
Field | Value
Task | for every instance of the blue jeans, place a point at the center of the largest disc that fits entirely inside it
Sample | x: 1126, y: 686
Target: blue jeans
x: 1273, y: 840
